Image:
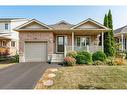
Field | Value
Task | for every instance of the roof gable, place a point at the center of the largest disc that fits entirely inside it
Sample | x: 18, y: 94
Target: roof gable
x: 89, y: 24
x: 121, y: 30
x: 61, y: 25
x: 33, y: 24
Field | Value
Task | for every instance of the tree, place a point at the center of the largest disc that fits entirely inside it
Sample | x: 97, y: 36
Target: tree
x: 107, y: 41
x: 110, y: 25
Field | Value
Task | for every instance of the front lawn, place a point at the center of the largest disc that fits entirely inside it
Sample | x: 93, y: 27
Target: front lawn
x: 90, y: 77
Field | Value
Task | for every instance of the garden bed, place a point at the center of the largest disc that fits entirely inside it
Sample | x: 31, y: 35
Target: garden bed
x: 9, y: 59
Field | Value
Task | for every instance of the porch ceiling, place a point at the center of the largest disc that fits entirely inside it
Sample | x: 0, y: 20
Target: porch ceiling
x: 79, y: 32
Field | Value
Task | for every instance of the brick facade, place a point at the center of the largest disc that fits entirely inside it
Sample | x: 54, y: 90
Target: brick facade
x: 48, y: 37
x: 35, y: 36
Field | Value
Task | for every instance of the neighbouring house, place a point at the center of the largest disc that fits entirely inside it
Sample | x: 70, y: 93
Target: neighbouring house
x: 41, y: 42
x: 8, y: 37
x: 120, y: 35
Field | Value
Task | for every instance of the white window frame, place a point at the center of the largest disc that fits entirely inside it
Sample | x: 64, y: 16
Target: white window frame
x: 3, y: 43
x: 80, y: 40
x: 14, y: 42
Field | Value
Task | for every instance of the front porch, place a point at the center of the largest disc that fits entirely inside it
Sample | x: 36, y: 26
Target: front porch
x: 7, y: 46
x: 121, y: 39
x: 89, y: 48
x: 68, y: 41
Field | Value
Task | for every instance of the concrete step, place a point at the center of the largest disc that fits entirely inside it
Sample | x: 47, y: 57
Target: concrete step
x: 57, y: 58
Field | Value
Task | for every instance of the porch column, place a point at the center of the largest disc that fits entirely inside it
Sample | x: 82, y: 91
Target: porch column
x: 102, y: 40
x: 65, y: 50
x: 72, y: 41
x: 122, y: 41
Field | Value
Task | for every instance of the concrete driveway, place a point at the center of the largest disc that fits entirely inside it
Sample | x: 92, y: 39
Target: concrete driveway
x: 23, y: 75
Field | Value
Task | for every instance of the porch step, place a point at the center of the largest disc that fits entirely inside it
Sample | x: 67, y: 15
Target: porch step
x: 57, y: 58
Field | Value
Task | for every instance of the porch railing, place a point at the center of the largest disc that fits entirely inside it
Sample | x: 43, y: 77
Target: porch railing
x: 89, y: 48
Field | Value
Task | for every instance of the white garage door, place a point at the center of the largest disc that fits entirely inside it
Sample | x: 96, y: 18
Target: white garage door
x: 35, y: 51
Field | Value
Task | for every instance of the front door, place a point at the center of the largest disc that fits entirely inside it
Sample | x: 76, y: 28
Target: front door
x: 60, y: 44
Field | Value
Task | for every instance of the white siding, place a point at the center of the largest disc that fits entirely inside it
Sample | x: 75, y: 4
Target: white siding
x: 2, y: 27
x: 14, y: 24
x: 13, y: 35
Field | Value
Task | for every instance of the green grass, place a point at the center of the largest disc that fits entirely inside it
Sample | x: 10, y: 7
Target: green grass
x: 91, y: 77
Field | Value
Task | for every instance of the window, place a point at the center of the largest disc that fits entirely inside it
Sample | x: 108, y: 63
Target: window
x: 13, y: 43
x: 87, y: 41
x: 4, y: 43
x: 82, y: 41
x: 78, y: 41
x: 6, y: 26
x: 61, y: 41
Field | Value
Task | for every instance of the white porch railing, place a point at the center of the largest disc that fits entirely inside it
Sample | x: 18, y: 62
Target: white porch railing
x: 91, y: 48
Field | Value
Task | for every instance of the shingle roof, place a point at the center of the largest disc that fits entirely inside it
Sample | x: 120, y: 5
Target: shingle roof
x: 3, y: 19
x: 62, y: 25
x: 122, y: 29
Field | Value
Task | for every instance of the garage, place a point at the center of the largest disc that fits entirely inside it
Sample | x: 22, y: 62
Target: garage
x: 35, y: 51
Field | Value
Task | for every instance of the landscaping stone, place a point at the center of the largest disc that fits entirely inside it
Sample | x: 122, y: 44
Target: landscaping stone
x: 51, y: 75
x: 48, y: 82
x: 53, y: 70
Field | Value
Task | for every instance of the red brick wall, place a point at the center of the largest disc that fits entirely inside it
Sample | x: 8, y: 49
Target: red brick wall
x: 35, y: 36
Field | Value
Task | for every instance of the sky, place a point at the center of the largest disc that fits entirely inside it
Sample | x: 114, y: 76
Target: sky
x: 71, y: 14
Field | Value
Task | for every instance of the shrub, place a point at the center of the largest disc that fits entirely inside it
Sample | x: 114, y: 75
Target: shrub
x: 99, y: 55
x: 4, y: 52
x: 84, y: 57
x: 115, y: 61
x: 69, y: 61
x: 125, y: 54
x: 119, y: 61
x: 15, y: 58
x: 98, y: 63
x: 120, y: 54
x: 110, y: 61
x: 2, y: 58
x: 72, y: 54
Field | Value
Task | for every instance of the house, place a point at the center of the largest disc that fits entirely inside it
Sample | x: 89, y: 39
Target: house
x: 120, y: 35
x: 42, y: 42
x: 8, y: 37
